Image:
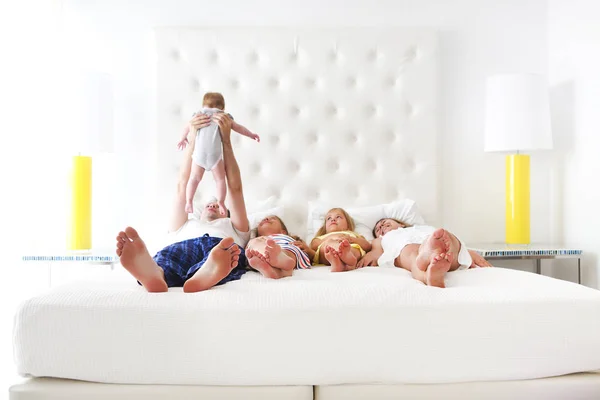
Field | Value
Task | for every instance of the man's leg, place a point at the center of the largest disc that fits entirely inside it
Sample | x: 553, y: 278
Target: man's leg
x: 221, y: 260
x: 136, y: 259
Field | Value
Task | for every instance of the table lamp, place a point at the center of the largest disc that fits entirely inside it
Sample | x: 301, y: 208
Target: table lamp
x: 517, y: 120
x: 91, y: 120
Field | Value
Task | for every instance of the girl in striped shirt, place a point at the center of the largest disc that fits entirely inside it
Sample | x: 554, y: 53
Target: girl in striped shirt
x: 273, y: 252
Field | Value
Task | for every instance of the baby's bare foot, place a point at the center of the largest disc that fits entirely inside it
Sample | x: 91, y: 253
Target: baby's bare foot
x: 222, y: 209
x: 189, y: 208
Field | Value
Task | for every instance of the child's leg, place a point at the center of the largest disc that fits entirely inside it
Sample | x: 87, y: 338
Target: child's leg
x: 219, y: 175
x: 192, y: 185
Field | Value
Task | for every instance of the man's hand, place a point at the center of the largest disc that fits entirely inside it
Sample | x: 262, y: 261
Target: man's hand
x: 256, y: 137
x: 224, y: 122
x: 478, y: 260
x: 198, y: 122
x: 369, y: 259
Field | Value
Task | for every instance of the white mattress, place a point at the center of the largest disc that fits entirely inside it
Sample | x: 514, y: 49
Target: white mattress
x: 316, y: 328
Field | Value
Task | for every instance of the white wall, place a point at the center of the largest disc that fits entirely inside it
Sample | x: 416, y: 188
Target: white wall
x: 574, y: 65
x: 477, y: 38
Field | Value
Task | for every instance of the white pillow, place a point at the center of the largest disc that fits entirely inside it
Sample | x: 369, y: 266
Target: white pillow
x: 263, y: 209
x: 365, y: 218
x: 255, y: 218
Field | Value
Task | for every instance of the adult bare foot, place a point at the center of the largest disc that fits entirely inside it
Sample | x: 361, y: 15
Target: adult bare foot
x: 277, y: 257
x: 189, y: 208
x: 432, y: 247
x: 136, y: 259
x: 221, y: 260
x: 445, y: 237
x: 346, y: 254
x: 436, y: 271
x: 333, y: 257
x: 258, y: 262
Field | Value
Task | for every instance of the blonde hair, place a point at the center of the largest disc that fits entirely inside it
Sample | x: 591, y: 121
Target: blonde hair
x: 214, y: 100
x: 323, y: 229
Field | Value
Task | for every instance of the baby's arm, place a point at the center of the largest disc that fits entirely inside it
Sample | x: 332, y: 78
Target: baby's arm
x: 361, y: 241
x: 184, y: 141
x: 242, y: 130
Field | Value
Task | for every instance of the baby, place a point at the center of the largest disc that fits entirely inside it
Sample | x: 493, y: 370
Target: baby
x: 208, y: 151
x: 337, y: 244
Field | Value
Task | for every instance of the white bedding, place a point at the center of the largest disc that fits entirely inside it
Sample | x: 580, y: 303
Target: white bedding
x: 316, y: 328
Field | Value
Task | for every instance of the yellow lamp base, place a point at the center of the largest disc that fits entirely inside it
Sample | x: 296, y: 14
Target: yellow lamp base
x: 517, y: 199
x: 80, y: 213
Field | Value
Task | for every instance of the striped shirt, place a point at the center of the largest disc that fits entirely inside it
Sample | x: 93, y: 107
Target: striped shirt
x: 287, y: 243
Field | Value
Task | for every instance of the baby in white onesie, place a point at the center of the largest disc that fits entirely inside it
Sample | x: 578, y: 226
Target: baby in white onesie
x: 208, y: 151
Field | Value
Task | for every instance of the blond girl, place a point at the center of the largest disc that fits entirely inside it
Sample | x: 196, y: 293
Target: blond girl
x: 336, y: 244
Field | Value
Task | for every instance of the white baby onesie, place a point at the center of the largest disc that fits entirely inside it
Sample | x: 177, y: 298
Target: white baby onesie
x: 208, y: 149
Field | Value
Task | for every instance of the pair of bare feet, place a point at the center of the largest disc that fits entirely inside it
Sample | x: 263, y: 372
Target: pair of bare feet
x: 342, y: 259
x: 273, y: 262
x: 189, y: 208
x: 136, y: 259
x: 435, y: 258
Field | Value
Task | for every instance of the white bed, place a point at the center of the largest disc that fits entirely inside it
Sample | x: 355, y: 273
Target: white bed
x: 375, y: 325
x: 355, y: 108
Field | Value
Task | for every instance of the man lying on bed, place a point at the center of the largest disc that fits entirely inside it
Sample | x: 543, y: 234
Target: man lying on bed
x: 213, y: 254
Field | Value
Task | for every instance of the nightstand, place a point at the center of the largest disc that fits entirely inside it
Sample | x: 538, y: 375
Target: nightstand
x: 53, y: 258
x: 535, y: 252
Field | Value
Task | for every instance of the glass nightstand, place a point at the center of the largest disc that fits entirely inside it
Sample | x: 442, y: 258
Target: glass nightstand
x: 94, y: 257
x: 535, y: 252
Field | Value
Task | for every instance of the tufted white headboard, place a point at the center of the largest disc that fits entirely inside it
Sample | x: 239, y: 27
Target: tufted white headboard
x: 346, y: 116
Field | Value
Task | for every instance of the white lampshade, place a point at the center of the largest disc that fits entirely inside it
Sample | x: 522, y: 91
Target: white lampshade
x: 89, y: 113
x: 517, y: 114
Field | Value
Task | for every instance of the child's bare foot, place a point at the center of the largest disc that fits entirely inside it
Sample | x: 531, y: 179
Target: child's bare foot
x: 222, y: 208
x: 277, y: 258
x: 136, y: 259
x: 432, y: 247
x: 259, y: 263
x: 346, y: 254
x: 221, y: 260
x: 436, y: 271
x: 189, y: 208
x: 333, y: 257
